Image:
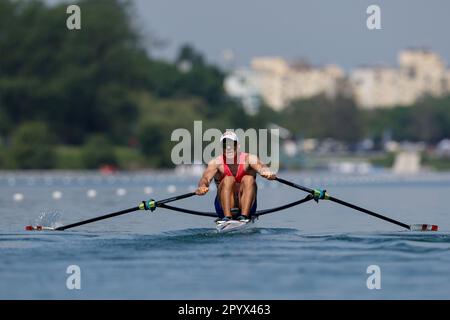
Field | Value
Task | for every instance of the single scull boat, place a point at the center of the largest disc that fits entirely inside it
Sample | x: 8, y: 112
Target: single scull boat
x: 235, y: 225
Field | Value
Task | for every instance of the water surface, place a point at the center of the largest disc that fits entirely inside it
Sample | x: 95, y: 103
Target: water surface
x: 307, y: 252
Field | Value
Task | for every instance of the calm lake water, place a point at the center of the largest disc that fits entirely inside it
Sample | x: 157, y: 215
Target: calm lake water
x: 313, y: 251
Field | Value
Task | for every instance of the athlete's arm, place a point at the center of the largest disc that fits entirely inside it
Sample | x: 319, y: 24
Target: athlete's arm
x: 260, y: 167
x: 208, y: 174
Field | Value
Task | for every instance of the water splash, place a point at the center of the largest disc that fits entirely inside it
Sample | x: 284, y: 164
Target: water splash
x: 51, y: 219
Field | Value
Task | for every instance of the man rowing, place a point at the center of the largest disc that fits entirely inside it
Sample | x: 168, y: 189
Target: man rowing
x: 234, y: 173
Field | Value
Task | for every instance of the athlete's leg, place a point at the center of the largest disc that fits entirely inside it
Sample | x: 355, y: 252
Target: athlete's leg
x: 226, y: 195
x: 247, y: 194
x: 218, y: 207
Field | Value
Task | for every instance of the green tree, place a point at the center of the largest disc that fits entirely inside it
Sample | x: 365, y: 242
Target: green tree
x: 5, y: 123
x: 187, y: 53
x: 396, y: 120
x: 200, y: 79
x: 321, y: 117
x: 32, y: 147
x: 430, y: 120
x: 159, y: 119
x: 98, y: 151
x: 59, y: 76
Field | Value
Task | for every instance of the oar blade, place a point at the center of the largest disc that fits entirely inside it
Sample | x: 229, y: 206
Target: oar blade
x: 38, y: 228
x: 423, y: 227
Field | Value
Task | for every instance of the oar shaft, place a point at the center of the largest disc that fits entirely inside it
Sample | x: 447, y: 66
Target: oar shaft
x: 344, y: 203
x: 106, y: 216
x: 121, y: 212
x: 373, y: 214
x: 294, y: 185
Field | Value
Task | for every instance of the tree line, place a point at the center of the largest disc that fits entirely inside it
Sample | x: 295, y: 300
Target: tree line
x: 99, y: 86
x: 428, y: 120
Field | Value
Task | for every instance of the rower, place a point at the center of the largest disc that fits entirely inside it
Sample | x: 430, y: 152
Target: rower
x: 234, y: 173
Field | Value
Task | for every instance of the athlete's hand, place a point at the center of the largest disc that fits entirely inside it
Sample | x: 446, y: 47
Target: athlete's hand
x: 269, y: 175
x: 201, y: 191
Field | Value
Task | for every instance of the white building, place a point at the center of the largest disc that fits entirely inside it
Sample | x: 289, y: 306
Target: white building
x: 242, y: 84
x: 278, y: 82
x: 420, y: 73
x: 282, y: 82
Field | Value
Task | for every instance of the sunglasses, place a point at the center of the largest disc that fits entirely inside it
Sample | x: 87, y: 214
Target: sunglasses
x: 226, y: 143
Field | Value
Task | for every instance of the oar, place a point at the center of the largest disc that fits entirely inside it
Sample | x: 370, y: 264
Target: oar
x: 323, y: 195
x: 144, y: 205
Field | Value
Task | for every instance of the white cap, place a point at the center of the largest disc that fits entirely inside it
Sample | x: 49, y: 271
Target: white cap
x: 229, y: 135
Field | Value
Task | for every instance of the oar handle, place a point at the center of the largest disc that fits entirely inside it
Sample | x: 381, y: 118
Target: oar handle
x: 294, y: 185
x: 183, y: 196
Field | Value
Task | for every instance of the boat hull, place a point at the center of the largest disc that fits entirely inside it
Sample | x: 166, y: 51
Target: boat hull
x: 233, y: 226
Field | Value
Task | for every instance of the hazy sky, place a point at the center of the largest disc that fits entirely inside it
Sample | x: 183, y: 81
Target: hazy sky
x: 321, y: 31
x: 332, y: 31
